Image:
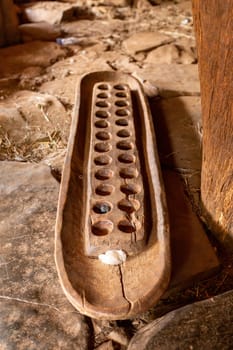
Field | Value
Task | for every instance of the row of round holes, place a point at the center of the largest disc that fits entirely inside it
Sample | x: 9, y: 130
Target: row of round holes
x: 119, y: 112
x: 118, y: 103
x: 105, y: 226
x: 125, y: 205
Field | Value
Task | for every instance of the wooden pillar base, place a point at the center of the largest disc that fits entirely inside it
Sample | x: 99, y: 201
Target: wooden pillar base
x: 214, y: 27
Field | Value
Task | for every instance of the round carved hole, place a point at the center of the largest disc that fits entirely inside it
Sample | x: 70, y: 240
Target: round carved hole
x: 126, y: 226
x: 103, y: 135
x: 121, y: 103
x: 126, y: 158
x: 124, y: 145
x: 102, y: 160
x: 104, y: 190
x: 103, y: 87
x: 128, y: 173
x: 102, y: 147
x: 121, y: 94
x: 103, y: 95
x: 102, y: 228
x: 102, y: 114
x: 119, y: 87
x: 129, y: 189
x: 122, y: 112
x: 103, y: 174
x: 122, y: 122
x: 129, y: 206
x: 123, y: 133
x: 102, y: 104
x: 101, y: 124
x: 102, y: 207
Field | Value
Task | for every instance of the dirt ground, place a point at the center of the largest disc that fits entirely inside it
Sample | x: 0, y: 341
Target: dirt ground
x: 37, y: 90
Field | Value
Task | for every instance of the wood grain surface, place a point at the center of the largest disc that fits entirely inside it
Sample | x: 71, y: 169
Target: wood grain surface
x: 95, y: 289
x: 214, y: 28
x: 9, y: 33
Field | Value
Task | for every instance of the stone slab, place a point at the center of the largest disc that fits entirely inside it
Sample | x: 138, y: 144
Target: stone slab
x: 32, y: 125
x: 172, y: 79
x: 37, y: 53
x: 39, y: 31
x: 34, y: 311
x: 30, y: 287
x: 178, y: 124
x: 164, y: 54
x: 92, y: 3
x: 52, y: 12
x: 170, y: 54
x: 193, y: 257
x: 202, y: 325
x: 33, y: 116
x: 144, y: 41
x: 79, y: 64
x: 63, y: 89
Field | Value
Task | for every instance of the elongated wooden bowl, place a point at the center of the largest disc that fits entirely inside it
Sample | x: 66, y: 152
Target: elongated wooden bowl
x: 112, y: 198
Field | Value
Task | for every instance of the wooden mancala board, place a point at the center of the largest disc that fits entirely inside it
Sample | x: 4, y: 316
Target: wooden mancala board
x: 112, y: 236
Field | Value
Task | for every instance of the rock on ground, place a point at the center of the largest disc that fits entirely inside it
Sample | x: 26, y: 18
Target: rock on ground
x: 52, y: 12
x: 34, y: 312
x: 32, y: 124
x: 172, y: 79
x: 170, y: 54
x: 203, y: 325
x: 77, y: 65
x: 193, y: 257
x: 63, y: 89
x: 163, y: 54
x: 144, y: 41
x: 39, y: 31
x: 177, y: 124
x: 37, y: 53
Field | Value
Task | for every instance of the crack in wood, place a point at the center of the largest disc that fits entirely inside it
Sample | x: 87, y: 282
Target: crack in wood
x: 123, y: 289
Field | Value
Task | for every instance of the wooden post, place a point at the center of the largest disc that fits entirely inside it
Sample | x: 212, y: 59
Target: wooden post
x: 8, y: 23
x: 214, y: 33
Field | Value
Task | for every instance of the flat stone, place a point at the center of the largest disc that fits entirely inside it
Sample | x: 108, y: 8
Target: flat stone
x: 172, y: 79
x: 163, y: 54
x: 144, y: 41
x: 202, y: 325
x: 81, y: 63
x: 111, y: 2
x: 178, y: 126
x: 52, y: 12
x: 105, y: 346
x: 99, y: 2
x: 36, y: 53
x: 39, y: 31
x: 34, y: 312
x: 178, y: 123
x: 63, y: 89
x: 95, y: 27
x: 32, y: 121
x: 187, y: 57
x: 170, y: 54
x: 193, y: 257
x: 29, y: 78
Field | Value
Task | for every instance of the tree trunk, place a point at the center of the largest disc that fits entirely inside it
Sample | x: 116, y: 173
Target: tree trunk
x: 214, y: 33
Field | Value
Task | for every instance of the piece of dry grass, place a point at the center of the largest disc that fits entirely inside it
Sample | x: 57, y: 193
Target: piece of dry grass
x: 29, y: 150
